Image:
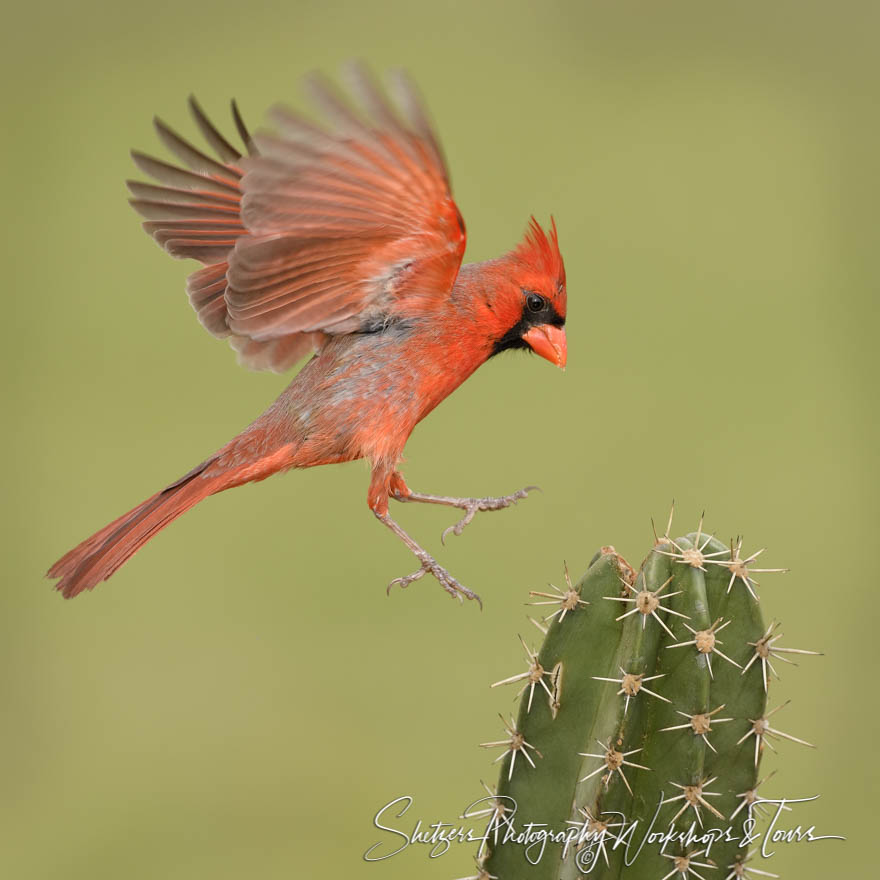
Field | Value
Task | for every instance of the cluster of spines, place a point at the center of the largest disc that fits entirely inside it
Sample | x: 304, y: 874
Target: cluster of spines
x: 682, y: 697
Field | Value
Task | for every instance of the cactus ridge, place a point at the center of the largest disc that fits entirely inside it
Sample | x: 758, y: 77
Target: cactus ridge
x: 647, y: 704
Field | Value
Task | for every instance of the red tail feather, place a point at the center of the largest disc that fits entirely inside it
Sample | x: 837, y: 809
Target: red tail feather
x: 96, y: 558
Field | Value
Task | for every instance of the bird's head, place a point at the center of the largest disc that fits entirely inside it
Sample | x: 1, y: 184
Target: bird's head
x: 528, y: 299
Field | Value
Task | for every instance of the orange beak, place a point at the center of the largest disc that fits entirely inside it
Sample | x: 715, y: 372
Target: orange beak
x: 549, y: 342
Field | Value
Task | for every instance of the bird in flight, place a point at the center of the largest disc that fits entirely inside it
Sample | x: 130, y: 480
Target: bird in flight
x: 339, y: 240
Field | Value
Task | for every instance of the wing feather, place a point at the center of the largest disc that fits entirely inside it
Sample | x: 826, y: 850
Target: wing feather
x: 219, y: 144
x: 195, y: 159
x: 171, y: 175
x: 169, y: 194
x: 319, y: 228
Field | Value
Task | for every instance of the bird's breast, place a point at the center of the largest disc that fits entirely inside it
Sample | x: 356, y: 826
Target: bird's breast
x: 363, y: 394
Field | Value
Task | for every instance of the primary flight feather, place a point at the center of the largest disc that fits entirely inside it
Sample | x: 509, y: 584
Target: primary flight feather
x: 341, y: 240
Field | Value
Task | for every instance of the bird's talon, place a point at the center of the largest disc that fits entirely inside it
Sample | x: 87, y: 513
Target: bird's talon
x: 473, y: 506
x: 443, y: 577
x: 452, y: 586
x: 459, y: 527
x: 406, y: 580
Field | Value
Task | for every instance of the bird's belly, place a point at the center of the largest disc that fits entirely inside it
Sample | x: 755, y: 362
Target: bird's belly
x: 353, y: 402
x: 362, y: 397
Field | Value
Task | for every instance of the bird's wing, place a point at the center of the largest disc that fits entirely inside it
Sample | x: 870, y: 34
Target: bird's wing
x: 350, y: 225
x: 320, y: 230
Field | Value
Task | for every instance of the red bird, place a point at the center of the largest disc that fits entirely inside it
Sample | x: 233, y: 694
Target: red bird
x: 344, y: 241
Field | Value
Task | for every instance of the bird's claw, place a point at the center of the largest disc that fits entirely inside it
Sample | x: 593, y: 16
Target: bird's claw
x: 459, y: 527
x: 445, y: 579
x: 429, y: 565
x: 473, y: 506
x: 406, y: 580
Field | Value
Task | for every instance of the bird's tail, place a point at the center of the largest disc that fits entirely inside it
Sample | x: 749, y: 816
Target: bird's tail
x: 95, y: 559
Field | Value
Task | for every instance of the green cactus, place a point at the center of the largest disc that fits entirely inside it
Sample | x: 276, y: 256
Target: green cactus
x: 647, y: 684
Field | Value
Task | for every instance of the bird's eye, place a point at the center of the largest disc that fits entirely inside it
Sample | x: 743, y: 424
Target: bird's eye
x: 535, y: 302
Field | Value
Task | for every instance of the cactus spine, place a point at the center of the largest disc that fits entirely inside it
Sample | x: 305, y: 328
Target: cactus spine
x: 646, y: 703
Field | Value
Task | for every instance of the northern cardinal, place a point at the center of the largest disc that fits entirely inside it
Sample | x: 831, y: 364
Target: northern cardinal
x: 342, y: 241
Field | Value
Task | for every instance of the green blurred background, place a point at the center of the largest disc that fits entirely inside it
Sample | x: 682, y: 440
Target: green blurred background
x: 242, y: 697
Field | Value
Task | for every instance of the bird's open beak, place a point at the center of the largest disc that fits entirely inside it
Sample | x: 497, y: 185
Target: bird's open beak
x: 549, y: 342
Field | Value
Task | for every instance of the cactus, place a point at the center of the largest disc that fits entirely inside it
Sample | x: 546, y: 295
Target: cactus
x: 650, y: 689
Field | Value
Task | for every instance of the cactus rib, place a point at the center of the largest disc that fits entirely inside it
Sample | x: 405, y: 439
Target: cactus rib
x: 645, y: 710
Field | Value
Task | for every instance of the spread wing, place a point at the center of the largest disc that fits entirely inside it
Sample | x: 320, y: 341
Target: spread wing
x: 320, y: 229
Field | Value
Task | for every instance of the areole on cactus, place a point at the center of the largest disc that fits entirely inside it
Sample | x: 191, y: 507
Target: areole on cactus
x: 643, y: 714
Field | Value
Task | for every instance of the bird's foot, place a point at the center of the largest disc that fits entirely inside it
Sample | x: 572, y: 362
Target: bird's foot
x: 470, y: 506
x: 473, y: 506
x: 429, y: 565
x: 445, y: 579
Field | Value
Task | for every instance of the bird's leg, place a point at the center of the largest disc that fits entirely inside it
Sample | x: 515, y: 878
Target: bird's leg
x: 471, y: 506
x: 429, y: 565
x: 381, y: 487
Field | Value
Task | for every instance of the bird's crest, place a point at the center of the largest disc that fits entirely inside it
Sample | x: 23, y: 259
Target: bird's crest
x: 540, y: 251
